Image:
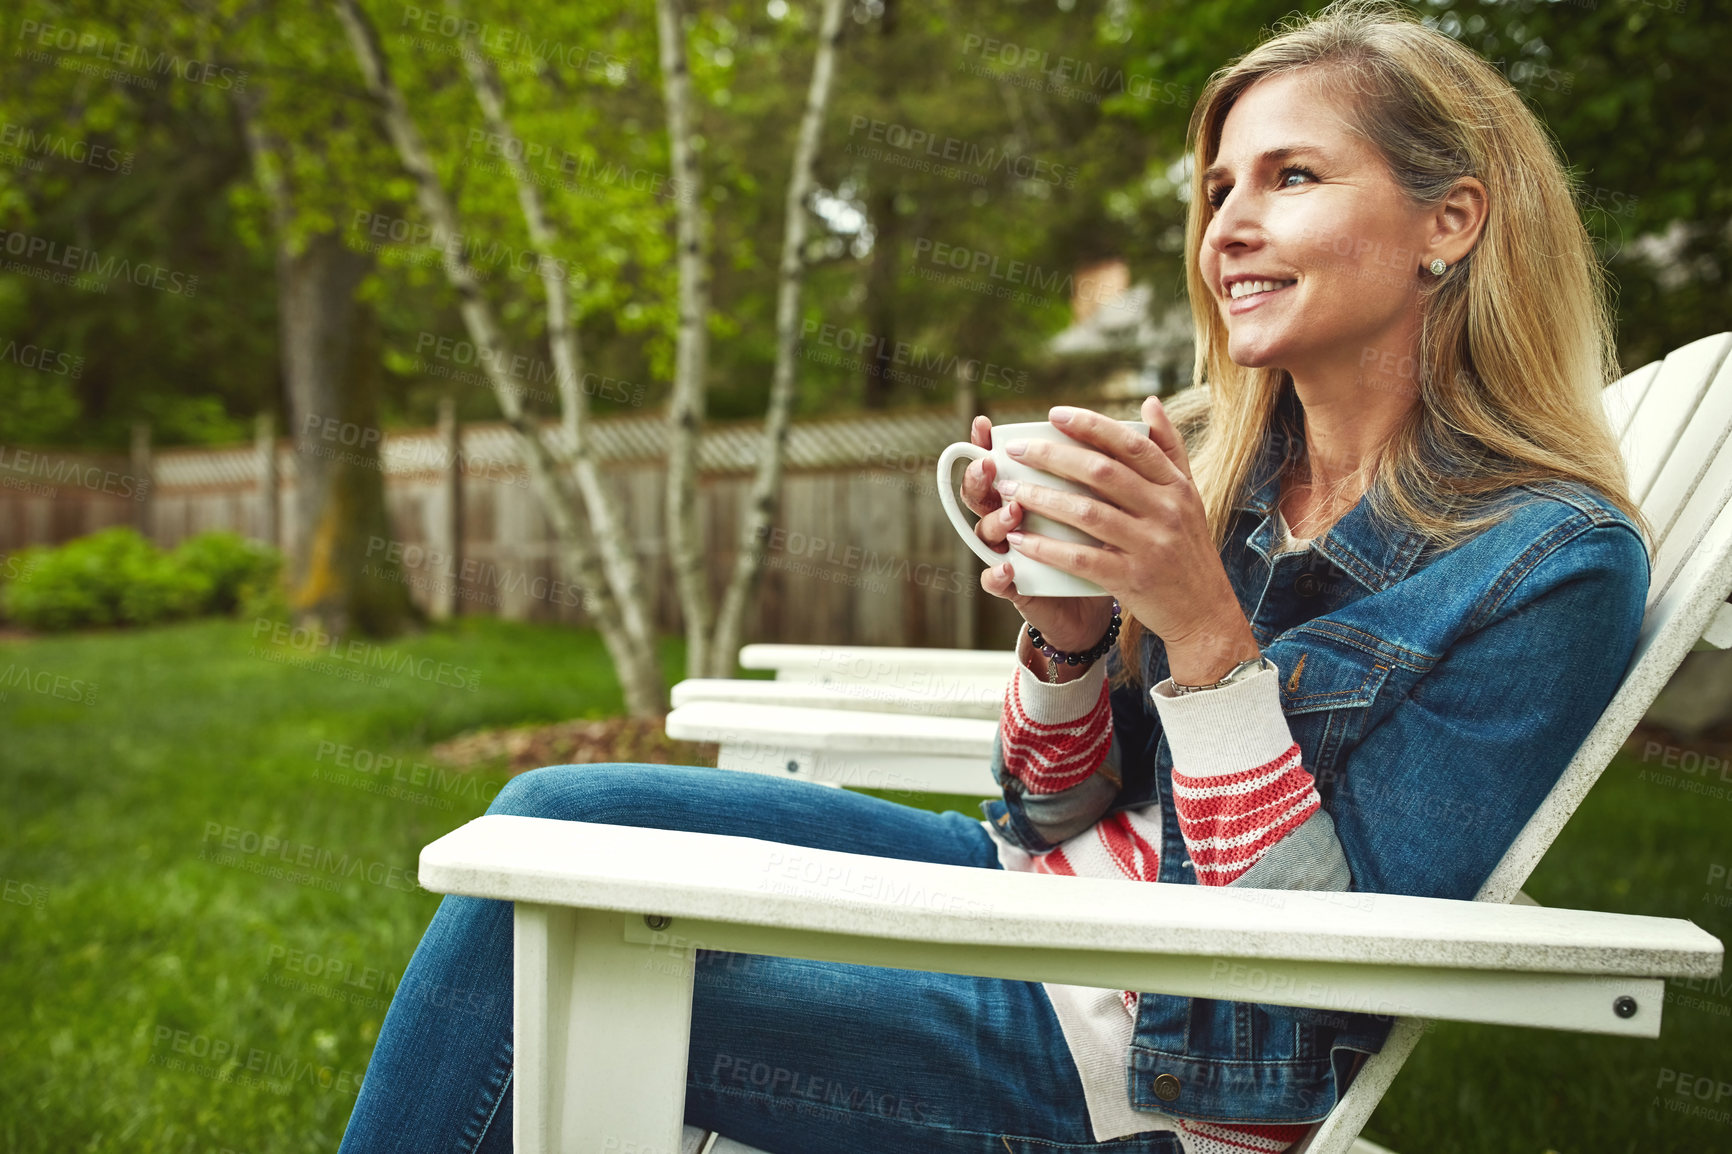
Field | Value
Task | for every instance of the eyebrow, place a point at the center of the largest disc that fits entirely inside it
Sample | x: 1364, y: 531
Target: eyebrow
x: 1274, y: 155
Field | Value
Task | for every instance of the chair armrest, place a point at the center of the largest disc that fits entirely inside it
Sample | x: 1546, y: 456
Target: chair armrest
x: 832, y: 730
x: 982, y: 702
x: 905, y: 668
x: 1380, y: 953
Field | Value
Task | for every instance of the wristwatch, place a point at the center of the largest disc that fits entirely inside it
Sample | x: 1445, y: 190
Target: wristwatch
x: 1238, y: 673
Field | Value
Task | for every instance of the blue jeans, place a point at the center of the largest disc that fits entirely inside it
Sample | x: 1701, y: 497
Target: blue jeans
x: 790, y: 1056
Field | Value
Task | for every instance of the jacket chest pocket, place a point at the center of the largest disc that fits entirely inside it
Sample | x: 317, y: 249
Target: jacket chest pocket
x: 1327, y: 690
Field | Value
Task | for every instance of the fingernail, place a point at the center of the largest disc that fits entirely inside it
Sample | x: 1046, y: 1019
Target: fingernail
x: 1006, y: 488
x: 1015, y: 538
x: 1060, y: 414
x: 1016, y: 448
x: 1011, y: 511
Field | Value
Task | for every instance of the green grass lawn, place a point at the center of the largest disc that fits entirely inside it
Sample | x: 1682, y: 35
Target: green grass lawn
x: 145, y: 936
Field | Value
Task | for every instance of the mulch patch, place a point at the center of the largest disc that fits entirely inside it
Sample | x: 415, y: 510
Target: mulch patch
x: 524, y: 747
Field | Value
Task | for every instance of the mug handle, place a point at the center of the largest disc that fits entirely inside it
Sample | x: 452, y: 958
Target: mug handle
x: 947, y: 494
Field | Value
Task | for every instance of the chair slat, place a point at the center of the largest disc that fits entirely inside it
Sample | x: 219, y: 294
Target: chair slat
x: 1697, y: 451
x: 1664, y: 411
x: 1624, y: 396
x: 1692, y: 527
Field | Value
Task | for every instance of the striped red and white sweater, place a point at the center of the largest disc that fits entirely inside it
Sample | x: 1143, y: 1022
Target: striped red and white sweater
x: 1240, y: 792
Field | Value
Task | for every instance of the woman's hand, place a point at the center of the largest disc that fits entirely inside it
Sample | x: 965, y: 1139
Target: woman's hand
x: 1156, y: 553
x: 1067, y: 623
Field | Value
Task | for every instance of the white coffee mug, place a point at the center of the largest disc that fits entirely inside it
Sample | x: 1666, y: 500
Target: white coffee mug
x: 1033, y: 578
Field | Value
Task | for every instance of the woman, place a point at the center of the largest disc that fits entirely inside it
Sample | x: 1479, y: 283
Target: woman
x: 1363, y: 635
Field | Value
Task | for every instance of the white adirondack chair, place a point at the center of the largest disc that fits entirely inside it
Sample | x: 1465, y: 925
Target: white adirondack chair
x: 608, y: 918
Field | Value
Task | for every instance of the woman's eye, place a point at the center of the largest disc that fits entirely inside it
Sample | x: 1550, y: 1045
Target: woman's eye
x: 1288, y: 178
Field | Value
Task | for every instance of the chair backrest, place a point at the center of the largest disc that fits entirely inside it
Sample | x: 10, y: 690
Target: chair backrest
x: 1679, y: 415
x: 1673, y: 419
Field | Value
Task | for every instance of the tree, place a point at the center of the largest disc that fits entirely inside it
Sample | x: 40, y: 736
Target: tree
x: 615, y: 575
x: 766, y: 488
x: 691, y: 346
x: 554, y: 465
x: 713, y: 639
x: 127, y: 179
x: 329, y: 343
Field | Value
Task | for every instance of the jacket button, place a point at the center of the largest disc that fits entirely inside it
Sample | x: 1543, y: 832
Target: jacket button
x: 1307, y: 585
x: 1167, y: 1088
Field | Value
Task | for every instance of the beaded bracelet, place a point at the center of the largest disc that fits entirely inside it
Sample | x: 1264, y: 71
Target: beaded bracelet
x: 1057, y: 657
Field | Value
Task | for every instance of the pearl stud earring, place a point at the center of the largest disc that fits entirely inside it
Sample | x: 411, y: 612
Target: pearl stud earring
x: 1437, y: 266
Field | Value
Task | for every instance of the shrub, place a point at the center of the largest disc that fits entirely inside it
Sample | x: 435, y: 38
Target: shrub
x: 117, y: 577
x: 44, y: 594
x: 237, y: 569
x: 156, y: 589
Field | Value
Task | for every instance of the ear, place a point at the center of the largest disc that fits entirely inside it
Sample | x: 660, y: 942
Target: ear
x: 1454, y: 225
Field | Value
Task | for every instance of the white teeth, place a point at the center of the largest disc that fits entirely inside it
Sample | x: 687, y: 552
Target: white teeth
x: 1245, y: 288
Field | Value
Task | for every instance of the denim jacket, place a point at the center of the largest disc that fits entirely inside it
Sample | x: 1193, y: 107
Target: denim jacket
x: 1436, y: 696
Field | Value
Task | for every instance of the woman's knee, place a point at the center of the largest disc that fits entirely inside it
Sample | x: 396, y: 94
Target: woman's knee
x: 608, y: 793
x: 557, y: 791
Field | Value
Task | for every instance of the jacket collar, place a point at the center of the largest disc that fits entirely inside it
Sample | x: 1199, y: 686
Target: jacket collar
x: 1372, y: 550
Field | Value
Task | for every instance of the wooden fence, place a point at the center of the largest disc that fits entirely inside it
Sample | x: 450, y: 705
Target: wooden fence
x: 861, y: 552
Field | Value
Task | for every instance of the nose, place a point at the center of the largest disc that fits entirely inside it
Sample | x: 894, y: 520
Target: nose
x: 1237, y: 225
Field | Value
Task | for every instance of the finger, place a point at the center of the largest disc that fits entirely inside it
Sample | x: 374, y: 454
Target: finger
x: 994, y: 526
x: 1110, y: 480
x: 1162, y: 432
x: 978, y: 492
x: 1141, y: 454
x: 1089, y: 562
x: 1103, y: 522
x: 1000, y: 581
x: 980, y: 431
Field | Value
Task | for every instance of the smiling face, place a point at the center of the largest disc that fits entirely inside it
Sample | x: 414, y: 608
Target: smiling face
x: 1313, y: 252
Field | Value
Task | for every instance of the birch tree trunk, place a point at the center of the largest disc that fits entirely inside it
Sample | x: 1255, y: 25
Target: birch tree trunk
x: 691, y: 350
x: 632, y: 649
x: 617, y: 552
x: 767, y: 483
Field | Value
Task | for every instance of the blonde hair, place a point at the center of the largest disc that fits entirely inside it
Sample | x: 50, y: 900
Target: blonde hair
x: 1516, y: 340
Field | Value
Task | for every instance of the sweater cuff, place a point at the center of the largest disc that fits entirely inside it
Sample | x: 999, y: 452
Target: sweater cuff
x: 1049, y: 704
x: 1226, y: 730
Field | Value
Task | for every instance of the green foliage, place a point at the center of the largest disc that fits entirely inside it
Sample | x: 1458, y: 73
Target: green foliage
x: 156, y: 589
x: 116, y: 577
x: 235, y: 567
x: 1097, y: 92
x: 113, y: 180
